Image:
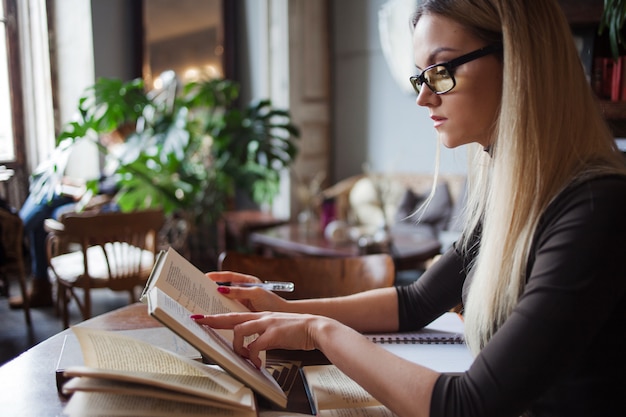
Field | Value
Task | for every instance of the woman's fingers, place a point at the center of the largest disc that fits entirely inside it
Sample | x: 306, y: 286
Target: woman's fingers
x: 229, y: 276
x: 254, y: 298
x: 225, y: 321
x: 240, y: 323
x: 273, y: 330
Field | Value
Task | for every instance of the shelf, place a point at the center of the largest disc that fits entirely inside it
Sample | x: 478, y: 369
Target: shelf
x: 582, y: 12
x: 615, y: 115
x: 613, y: 110
x: 587, y: 13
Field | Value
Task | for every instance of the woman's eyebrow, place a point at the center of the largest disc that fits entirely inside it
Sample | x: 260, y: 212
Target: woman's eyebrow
x: 433, y: 55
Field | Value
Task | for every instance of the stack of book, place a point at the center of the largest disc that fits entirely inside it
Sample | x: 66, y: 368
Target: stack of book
x: 124, y: 374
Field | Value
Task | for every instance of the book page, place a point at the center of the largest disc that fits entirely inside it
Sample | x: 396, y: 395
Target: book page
x: 188, y: 286
x: 379, y: 411
x: 197, y: 386
x: 332, y: 389
x: 109, y: 350
x: 118, y: 357
x: 162, y: 337
x: 97, y: 384
x: 211, y: 344
x: 375, y: 411
x: 83, y: 404
x: 165, y: 339
x: 181, y: 280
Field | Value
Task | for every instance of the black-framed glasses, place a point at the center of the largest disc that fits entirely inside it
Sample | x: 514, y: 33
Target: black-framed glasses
x: 440, y: 77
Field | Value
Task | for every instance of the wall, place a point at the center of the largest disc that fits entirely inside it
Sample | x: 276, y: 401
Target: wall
x: 374, y: 120
x: 114, y: 52
x: 75, y: 72
x: 74, y: 54
x: 116, y: 38
x: 252, y: 58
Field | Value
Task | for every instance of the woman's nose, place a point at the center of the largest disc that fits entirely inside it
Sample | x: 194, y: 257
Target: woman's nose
x: 425, y: 97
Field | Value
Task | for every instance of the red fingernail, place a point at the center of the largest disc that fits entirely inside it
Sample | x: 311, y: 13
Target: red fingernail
x: 223, y: 290
x: 196, y: 316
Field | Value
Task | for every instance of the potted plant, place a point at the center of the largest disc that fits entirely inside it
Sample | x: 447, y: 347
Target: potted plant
x: 106, y: 106
x: 189, y: 149
x: 613, y: 18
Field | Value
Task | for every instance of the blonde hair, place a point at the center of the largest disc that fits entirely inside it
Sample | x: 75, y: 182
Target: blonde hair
x: 549, y: 134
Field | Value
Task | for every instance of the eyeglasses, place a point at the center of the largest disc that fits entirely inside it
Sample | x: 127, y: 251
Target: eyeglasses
x: 440, y: 78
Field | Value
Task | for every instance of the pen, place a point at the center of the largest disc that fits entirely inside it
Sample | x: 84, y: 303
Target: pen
x: 268, y: 285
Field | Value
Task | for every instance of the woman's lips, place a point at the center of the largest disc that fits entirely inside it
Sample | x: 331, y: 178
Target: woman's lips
x: 438, y: 121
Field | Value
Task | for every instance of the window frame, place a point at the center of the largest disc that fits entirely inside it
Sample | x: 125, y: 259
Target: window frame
x: 14, y: 77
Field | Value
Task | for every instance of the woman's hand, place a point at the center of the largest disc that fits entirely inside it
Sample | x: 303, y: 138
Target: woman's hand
x: 274, y: 330
x: 255, y: 299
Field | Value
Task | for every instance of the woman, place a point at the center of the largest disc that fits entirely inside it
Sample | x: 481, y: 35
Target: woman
x: 38, y: 207
x: 539, y: 268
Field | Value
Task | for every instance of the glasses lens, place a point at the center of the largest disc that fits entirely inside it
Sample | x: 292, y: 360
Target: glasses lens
x: 439, y: 79
x: 415, y: 82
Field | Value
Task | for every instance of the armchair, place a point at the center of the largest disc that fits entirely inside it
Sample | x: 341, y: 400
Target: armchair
x: 367, y: 202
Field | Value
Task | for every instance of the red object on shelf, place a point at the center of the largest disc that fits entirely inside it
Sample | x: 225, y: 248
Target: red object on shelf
x: 616, y: 79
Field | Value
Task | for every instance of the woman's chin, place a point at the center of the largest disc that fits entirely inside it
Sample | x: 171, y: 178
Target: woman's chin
x: 452, y: 143
x: 448, y: 142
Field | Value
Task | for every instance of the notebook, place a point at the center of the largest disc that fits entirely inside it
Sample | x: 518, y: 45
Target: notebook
x: 439, y: 346
x: 446, y: 329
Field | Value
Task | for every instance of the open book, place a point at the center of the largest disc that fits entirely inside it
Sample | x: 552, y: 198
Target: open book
x: 122, y: 375
x: 335, y: 394
x: 175, y: 290
x: 162, y: 337
x: 439, y: 346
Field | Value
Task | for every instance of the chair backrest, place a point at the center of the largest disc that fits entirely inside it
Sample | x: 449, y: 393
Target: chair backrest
x: 124, y: 238
x: 12, y: 254
x: 316, y: 277
x: 97, y: 228
x: 12, y: 235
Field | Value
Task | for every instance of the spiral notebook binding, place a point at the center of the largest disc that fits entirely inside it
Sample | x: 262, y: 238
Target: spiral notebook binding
x: 418, y: 339
x: 445, y: 330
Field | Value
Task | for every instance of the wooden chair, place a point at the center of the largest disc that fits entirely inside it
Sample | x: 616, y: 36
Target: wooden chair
x: 12, y: 237
x: 316, y: 277
x: 114, y: 250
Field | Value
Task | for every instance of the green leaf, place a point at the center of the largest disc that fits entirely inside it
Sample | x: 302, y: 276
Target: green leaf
x: 612, y: 19
x: 189, y: 148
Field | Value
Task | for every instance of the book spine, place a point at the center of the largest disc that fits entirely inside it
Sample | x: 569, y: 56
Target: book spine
x: 622, y: 96
x: 616, y: 82
x: 596, y: 77
x: 607, y: 77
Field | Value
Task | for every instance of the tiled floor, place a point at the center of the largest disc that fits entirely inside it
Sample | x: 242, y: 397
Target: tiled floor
x: 16, y: 337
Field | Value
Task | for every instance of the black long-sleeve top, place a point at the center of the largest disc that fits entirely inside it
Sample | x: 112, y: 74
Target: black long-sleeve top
x: 562, y: 351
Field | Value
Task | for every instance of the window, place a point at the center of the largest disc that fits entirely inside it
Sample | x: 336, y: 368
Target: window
x: 7, y: 143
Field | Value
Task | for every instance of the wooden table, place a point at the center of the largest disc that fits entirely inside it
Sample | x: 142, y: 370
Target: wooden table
x: 409, y: 250
x: 234, y: 227
x: 28, y: 382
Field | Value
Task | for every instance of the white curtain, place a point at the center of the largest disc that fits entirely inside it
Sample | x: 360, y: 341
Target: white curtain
x: 36, y: 81
x: 396, y: 39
